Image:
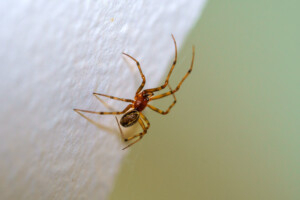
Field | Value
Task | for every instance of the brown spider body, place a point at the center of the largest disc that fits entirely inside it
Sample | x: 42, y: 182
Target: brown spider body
x: 133, y: 112
x: 132, y: 116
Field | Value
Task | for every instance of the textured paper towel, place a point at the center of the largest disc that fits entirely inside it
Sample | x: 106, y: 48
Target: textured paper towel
x: 53, y: 55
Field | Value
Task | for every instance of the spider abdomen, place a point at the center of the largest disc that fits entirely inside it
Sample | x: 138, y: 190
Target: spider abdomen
x: 130, y: 118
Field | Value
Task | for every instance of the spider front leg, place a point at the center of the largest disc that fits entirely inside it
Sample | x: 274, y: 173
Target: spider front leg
x: 105, y: 113
x: 112, y: 97
x: 180, y: 83
x: 170, y: 72
x: 142, y: 75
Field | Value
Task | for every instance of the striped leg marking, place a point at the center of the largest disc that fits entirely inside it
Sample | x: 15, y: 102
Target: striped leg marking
x: 142, y: 75
x: 140, y: 135
x: 178, y: 86
x: 168, y: 110
x: 170, y: 72
x: 112, y: 97
x: 105, y: 113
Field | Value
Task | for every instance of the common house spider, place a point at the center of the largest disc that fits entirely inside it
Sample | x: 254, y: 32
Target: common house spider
x: 133, y: 111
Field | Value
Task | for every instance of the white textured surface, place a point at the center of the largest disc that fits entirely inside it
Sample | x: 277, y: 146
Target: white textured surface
x: 53, y: 55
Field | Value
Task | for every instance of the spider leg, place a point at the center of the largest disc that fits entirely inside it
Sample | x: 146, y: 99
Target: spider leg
x: 112, y: 97
x: 104, y: 113
x: 140, y: 135
x: 104, y: 103
x: 145, y: 128
x: 161, y: 111
x: 122, y: 134
x: 170, y: 72
x: 178, y: 86
x: 146, y: 120
x: 142, y: 75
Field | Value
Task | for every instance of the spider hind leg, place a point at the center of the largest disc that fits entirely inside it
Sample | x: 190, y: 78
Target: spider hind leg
x: 140, y: 135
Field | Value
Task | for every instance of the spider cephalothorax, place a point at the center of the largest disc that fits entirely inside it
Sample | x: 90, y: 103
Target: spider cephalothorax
x: 141, y: 101
x: 133, y: 111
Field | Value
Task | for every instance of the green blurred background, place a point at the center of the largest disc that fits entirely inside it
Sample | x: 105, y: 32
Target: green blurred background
x: 235, y: 132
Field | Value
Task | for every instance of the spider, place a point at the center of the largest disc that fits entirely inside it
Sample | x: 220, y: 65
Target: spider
x: 133, y: 112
